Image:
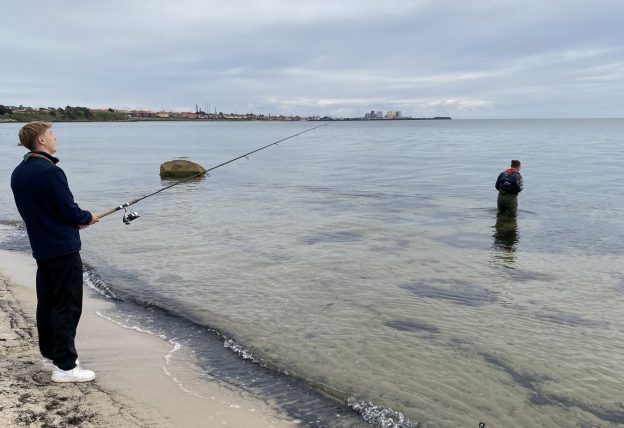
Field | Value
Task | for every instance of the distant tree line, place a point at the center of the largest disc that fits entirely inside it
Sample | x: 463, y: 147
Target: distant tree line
x: 72, y: 113
x: 84, y: 114
x: 60, y: 114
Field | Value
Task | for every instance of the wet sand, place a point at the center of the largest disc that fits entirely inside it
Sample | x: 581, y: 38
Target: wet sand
x: 142, y: 380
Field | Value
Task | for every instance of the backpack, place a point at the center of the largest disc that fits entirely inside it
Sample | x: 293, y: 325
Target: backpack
x: 507, y: 183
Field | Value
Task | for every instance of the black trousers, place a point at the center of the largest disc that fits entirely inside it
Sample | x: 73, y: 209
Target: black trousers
x: 59, y: 306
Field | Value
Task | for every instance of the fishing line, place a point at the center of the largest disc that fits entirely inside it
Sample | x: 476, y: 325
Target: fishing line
x: 133, y: 215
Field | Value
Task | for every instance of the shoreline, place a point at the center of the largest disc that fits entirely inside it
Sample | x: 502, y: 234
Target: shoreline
x: 142, y: 380
x: 161, y: 120
x: 350, y: 119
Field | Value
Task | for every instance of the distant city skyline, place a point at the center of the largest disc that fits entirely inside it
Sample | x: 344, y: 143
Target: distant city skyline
x: 477, y: 59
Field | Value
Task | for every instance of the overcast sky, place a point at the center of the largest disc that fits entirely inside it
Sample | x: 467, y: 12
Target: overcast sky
x: 463, y: 58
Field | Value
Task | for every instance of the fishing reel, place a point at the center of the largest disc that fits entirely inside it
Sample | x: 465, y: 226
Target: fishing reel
x: 129, y: 216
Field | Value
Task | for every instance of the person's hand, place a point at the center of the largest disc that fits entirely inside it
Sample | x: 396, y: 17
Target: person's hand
x: 94, y: 219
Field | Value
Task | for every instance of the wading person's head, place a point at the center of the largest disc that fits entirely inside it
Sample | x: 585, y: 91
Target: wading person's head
x: 37, y: 136
x: 515, y: 164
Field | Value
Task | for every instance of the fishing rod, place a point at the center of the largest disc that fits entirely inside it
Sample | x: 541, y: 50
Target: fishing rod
x: 133, y: 215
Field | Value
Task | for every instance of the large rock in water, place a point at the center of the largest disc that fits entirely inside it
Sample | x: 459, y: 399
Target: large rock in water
x: 180, y: 169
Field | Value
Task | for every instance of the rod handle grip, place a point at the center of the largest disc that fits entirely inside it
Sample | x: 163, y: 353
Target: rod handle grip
x: 109, y: 212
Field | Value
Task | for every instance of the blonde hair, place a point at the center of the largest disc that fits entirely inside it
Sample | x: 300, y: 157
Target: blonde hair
x: 30, y: 132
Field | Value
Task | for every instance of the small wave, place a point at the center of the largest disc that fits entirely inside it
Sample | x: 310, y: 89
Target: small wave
x: 93, y: 281
x: 569, y: 319
x: 16, y: 224
x: 13, y: 236
x: 242, y: 352
x: 464, y: 293
x: 381, y: 416
x: 412, y: 326
x: 331, y: 237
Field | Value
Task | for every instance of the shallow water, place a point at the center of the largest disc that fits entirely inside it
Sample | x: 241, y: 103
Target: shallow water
x: 369, y: 258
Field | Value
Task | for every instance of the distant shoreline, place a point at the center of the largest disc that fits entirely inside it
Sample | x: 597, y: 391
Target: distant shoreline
x: 350, y: 119
x: 21, y: 114
x: 361, y: 119
x: 153, y: 120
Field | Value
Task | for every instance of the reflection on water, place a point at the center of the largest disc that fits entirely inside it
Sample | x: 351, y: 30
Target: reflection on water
x: 506, y: 236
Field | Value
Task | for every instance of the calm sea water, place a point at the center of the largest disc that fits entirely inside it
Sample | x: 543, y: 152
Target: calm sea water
x: 368, y: 258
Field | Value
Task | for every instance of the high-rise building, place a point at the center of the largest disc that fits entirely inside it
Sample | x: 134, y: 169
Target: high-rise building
x: 393, y: 114
x: 374, y: 115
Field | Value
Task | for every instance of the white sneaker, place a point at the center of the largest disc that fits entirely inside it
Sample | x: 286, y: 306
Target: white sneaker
x: 47, y: 365
x: 77, y: 374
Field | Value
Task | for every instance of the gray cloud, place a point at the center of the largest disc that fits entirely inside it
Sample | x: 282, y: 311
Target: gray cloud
x: 482, y: 58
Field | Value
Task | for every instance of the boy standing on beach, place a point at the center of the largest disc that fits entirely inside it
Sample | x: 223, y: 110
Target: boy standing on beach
x: 509, y: 184
x: 52, y: 220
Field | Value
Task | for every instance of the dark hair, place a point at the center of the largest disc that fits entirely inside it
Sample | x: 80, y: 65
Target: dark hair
x: 515, y: 163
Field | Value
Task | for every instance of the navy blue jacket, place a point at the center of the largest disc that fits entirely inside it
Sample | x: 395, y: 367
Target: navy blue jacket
x: 47, y: 207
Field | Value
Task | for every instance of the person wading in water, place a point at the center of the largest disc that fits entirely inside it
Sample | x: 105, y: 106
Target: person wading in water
x: 509, y: 184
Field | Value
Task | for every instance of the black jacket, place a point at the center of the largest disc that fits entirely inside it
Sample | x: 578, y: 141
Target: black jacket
x: 509, y: 182
x: 47, y: 206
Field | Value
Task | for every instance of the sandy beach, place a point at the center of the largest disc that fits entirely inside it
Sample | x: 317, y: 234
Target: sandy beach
x: 142, y: 379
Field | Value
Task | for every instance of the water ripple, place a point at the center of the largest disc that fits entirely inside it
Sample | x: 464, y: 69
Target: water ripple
x: 456, y: 292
